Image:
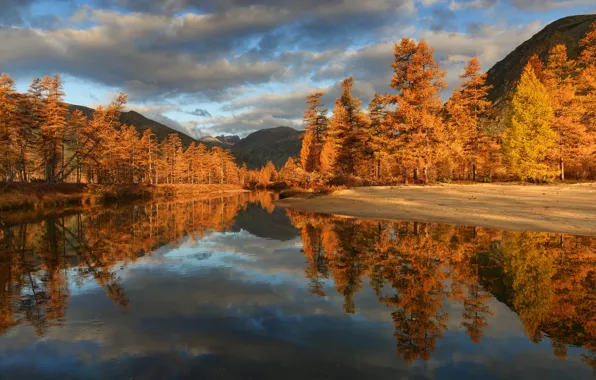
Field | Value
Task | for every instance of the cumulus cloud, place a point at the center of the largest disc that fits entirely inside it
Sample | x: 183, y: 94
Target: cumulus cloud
x: 186, y: 52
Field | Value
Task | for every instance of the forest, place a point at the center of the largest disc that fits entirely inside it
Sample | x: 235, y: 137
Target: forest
x: 545, y: 129
x: 43, y: 142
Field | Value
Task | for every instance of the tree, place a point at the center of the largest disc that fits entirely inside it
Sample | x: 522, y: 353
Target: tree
x: 346, y: 133
x: 528, y: 137
x: 53, y: 127
x: 416, y: 126
x: 560, y: 82
x: 8, y: 128
x: 288, y: 172
x: 538, y: 66
x: 148, y: 156
x: 375, y: 149
x: 468, y: 108
x: 315, y: 119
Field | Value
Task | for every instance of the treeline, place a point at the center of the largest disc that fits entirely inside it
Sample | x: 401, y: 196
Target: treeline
x: 415, y: 269
x: 40, y: 140
x: 547, y: 128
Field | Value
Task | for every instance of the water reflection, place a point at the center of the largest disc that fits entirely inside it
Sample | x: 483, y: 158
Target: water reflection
x: 219, y: 288
x: 39, y: 259
x: 415, y: 268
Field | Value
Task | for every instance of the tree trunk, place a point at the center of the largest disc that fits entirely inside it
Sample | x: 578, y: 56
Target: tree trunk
x: 474, y: 171
x: 562, y: 169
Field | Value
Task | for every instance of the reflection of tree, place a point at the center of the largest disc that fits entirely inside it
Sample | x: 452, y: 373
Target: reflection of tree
x: 39, y: 260
x: 529, y: 266
x: 548, y: 280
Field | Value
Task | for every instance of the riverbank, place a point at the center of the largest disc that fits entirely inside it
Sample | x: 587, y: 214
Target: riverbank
x: 546, y: 208
x: 40, y: 196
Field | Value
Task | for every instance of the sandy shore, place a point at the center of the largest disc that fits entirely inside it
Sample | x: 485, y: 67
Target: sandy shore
x: 553, y: 208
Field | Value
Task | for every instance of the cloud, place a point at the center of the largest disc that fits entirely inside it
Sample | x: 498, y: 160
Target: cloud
x: 200, y: 112
x: 455, y: 5
x: 543, y: 5
x: 188, y: 52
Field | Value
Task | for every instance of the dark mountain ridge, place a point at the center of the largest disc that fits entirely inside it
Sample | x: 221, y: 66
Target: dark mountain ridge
x: 141, y: 123
x: 273, y: 144
x: 504, y: 75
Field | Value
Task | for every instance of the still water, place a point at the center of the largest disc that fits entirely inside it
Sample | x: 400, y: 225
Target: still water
x: 234, y: 288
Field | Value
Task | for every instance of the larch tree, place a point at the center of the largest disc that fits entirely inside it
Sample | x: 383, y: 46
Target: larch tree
x: 538, y: 66
x: 375, y: 149
x: 417, y: 127
x: 8, y: 128
x: 528, y: 137
x: 561, y: 86
x: 468, y: 109
x: 316, y: 122
x: 148, y: 155
x: 346, y: 133
x: 586, y: 94
x: 53, y: 127
x: 586, y: 79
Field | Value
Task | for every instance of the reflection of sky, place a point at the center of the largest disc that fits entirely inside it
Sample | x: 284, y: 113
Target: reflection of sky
x: 235, y: 305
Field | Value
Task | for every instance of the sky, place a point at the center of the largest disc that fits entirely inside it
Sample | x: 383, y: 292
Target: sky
x: 212, y: 67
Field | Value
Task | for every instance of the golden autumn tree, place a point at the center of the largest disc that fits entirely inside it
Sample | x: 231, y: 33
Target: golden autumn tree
x: 315, y: 120
x: 538, y: 66
x: 468, y: 108
x: 416, y: 124
x: 8, y: 128
x: 52, y: 129
x: 528, y: 137
x: 375, y: 152
x: 344, y: 145
x: 571, y: 135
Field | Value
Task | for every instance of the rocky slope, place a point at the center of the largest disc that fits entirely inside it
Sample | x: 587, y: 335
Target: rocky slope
x: 275, y: 144
x: 141, y: 123
x: 569, y: 31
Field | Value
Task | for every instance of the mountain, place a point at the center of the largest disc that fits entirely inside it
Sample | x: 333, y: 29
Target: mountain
x: 274, y: 144
x: 230, y: 140
x: 569, y: 31
x: 141, y: 123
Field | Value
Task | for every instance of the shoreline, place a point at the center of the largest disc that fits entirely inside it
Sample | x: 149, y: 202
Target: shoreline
x: 561, y: 208
x: 40, y: 197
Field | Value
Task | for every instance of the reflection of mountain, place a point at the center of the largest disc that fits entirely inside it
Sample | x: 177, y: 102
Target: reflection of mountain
x: 259, y: 222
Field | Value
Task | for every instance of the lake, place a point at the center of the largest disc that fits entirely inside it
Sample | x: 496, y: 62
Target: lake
x: 234, y: 288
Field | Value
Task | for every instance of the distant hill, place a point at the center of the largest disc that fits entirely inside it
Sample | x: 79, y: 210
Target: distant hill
x: 141, y: 123
x: 230, y: 140
x: 275, y: 144
x: 569, y: 31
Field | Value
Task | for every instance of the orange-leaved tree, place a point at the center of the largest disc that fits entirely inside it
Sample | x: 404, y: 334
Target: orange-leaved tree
x: 315, y: 120
x: 560, y: 83
x: 416, y: 125
x: 468, y: 111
